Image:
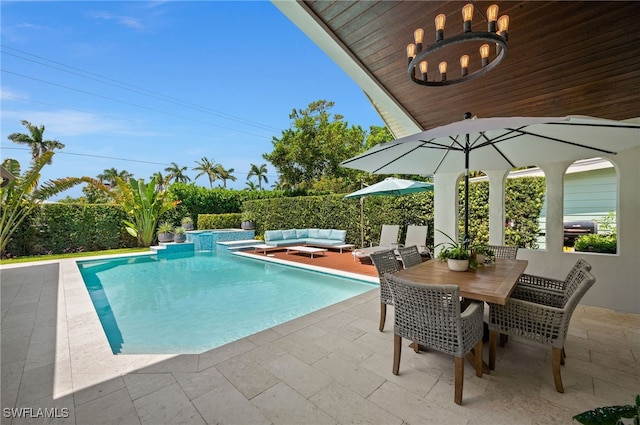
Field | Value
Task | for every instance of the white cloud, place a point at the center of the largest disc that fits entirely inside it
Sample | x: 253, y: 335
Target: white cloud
x: 66, y: 123
x: 127, y: 21
x: 8, y: 94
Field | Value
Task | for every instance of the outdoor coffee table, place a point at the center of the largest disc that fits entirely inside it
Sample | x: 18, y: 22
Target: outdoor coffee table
x: 343, y: 247
x: 307, y: 249
x: 262, y: 247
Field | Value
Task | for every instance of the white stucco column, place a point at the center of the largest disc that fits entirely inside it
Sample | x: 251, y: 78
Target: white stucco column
x: 497, y: 179
x: 554, y: 174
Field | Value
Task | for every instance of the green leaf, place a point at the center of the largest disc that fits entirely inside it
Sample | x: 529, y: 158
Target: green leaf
x: 606, y: 415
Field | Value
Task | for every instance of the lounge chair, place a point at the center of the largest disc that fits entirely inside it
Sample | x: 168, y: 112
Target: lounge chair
x: 388, y: 240
x: 417, y: 235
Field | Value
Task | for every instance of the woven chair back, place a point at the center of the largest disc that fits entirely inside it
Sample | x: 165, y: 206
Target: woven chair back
x: 410, y: 256
x: 385, y: 262
x: 430, y: 315
x: 503, y: 251
x: 579, y: 281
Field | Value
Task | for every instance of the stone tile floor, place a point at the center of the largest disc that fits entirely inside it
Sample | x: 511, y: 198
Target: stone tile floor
x: 329, y: 367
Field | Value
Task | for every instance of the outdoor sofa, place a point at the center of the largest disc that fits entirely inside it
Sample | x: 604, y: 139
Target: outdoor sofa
x: 315, y: 237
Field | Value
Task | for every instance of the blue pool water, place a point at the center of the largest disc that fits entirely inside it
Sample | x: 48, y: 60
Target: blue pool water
x: 190, y: 303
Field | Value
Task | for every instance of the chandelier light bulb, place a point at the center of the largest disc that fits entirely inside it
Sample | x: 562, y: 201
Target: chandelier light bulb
x: 503, y: 27
x: 464, y: 64
x: 440, y: 20
x: 418, y: 36
x: 492, y: 17
x: 442, y: 67
x: 467, y: 15
x: 411, y: 51
x: 484, y: 54
x: 423, y: 68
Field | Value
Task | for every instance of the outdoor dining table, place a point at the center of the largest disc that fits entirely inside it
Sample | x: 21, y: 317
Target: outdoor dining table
x: 492, y: 283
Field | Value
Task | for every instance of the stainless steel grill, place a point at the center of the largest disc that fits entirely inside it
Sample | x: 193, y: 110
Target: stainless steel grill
x: 574, y: 229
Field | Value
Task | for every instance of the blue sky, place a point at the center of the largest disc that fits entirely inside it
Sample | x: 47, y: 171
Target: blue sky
x: 138, y: 85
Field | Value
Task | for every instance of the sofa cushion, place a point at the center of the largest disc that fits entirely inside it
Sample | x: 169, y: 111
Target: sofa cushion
x: 273, y: 235
x: 289, y: 234
x: 323, y: 242
x: 302, y: 233
x: 313, y: 233
x: 324, y: 233
x: 340, y: 235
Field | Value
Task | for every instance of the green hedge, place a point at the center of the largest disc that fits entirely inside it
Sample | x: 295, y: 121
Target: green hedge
x: 59, y: 228
x: 219, y: 221
x: 62, y: 228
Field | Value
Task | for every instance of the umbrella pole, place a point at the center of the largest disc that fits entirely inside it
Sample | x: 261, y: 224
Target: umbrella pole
x: 465, y: 238
x: 362, y: 222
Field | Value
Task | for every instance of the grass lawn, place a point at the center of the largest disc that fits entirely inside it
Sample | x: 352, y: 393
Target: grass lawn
x: 72, y: 255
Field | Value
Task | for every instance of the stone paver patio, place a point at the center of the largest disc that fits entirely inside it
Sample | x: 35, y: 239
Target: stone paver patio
x: 329, y: 367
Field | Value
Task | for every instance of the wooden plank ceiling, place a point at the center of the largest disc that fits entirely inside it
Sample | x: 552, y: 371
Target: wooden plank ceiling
x: 564, y: 58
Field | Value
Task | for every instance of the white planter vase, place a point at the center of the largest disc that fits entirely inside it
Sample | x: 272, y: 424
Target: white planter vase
x: 458, y: 265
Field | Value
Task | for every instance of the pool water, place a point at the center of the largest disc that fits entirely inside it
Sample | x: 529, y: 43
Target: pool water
x: 190, y: 303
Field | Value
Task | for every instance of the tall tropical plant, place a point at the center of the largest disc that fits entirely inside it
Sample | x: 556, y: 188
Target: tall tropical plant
x: 209, y: 168
x: 260, y: 172
x: 225, y: 175
x: 35, y: 141
x: 176, y: 173
x: 143, y: 205
x: 21, y: 194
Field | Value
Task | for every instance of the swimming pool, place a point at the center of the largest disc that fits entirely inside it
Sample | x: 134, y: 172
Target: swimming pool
x: 190, y: 303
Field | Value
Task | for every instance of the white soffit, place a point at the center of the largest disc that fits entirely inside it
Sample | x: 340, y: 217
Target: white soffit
x: 398, y: 120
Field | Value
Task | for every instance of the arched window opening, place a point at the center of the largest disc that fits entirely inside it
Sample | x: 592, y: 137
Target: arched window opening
x: 590, y: 207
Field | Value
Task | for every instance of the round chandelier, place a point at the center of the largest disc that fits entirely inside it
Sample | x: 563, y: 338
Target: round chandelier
x: 497, y: 33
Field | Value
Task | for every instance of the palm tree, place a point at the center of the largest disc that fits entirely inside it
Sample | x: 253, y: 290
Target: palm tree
x: 208, y: 167
x: 20, y: 193
x: 225, y: 175
x: 176, y: 173
x: 35, y: 141
x: 251, y: 185
x: 108, y: 176
x: 161, y: 181
x: 260, y: 172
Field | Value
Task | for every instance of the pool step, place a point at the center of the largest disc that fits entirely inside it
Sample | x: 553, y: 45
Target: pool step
x: 172, y: 247
x: 237, y: 245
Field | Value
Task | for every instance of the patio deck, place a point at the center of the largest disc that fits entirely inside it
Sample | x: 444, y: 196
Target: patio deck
x: 332, y: 366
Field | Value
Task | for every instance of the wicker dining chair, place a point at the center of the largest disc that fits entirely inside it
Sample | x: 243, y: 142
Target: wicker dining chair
x: 540, y: 322
x: 543, y: 290
x: 385, y: 262
x: 410, y: 256
x: 503, y: 251
x: 430, y: 315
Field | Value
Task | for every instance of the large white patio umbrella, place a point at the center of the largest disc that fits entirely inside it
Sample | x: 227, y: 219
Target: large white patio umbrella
x: 389, y: 186
x: 497, y: 143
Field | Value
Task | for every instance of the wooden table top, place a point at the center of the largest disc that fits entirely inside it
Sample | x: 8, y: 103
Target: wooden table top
x: 491, y: 283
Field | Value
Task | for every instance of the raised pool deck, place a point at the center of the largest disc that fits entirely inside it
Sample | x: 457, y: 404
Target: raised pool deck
x: 329, y: 367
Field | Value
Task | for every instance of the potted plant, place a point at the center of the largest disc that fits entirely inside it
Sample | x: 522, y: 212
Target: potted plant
x: 179, y: 235
x: 484, y: 254
x: 455, y: 254
x: 187, y: 223
x: 165, y: 232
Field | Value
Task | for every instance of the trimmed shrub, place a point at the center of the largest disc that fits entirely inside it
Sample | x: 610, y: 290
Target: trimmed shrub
x: 219, y: 221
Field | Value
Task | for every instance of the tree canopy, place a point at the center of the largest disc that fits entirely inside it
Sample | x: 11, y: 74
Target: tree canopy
x: 312, y: 149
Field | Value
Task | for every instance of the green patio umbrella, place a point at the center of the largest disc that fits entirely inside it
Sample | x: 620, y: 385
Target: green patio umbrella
x: 388, y: 187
